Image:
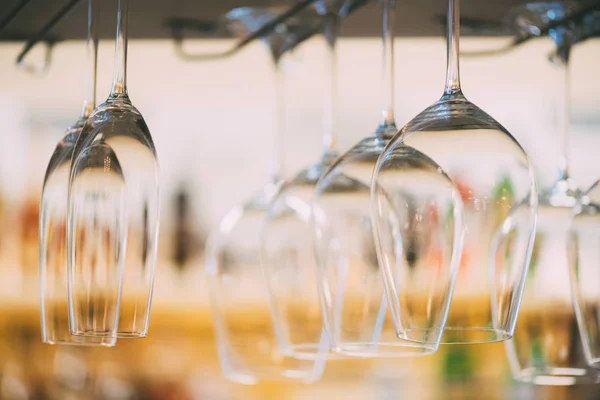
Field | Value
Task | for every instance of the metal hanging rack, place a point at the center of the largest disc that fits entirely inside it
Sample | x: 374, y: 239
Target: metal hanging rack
x: 178, y: 26
x: 42, y: 36
x: 576, y: 17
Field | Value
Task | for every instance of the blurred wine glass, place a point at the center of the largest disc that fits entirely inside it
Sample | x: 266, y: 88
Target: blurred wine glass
x: 248, y: 350
x: 53, y: 222
x: 113, y: 213
x: 584, y: 260
x: 546, y: 348
x: 287, y: 246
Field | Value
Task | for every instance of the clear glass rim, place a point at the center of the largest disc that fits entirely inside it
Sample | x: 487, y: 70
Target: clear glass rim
x: 558, y: 376
x: 491, y: 335
x: 594, y: 363
x: 102, y: 341
x: 270, y: 374
x: 131, y: 335
x: 385, y: 349
x: 95, y: 334
x: 110, y: 335
x: 311, y: 351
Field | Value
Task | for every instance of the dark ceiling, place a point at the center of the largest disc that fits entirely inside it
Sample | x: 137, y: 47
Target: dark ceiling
x: 148, y: 18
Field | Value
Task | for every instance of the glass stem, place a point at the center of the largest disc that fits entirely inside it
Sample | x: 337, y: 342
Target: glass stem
x: 91, y: 61
x: 453, y: 67
x: 276, y: 167
x: 119, y: 88
x: 563, y: 113
x: 388, y: 122
x: 332, y: 22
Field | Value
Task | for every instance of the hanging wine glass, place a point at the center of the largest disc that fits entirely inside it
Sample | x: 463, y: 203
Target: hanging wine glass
x: 496, y: 183
x: 582, y: 248
x: 546, y: 348
x: 53, y: 224
x: 113, y: 211
x: 355, y: 308
x: 583, y: 254
x: 248, y: 350
x: 287, y: 253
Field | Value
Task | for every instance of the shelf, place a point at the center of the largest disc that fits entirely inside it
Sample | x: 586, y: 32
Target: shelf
x: 148, y: 17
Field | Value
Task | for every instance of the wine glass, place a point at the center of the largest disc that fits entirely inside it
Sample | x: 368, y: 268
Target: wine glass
x: 244, y: 331
x: 53, y: 221
x: 582, y: 249
x: 496, y: 183
x: 113, y: 212
x: 355, y: 308
x: 583, y: 255
x: 287, y: 252
x: 546, y: 347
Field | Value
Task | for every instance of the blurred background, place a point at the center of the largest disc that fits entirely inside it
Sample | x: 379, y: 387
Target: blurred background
x: 212, y: 125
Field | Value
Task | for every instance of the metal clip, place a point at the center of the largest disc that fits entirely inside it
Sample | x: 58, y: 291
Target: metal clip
x: 42, y: 36
x: 178, y: 24
x: 574, y: 17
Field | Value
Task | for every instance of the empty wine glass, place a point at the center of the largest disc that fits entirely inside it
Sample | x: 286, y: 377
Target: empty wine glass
x: 496, y: 183
x: 584, y: 256
x: 113, y: 212
x: 546, y: 347
x: 582, y: 248
x: 248, y: 350
x: 355, y: 308
x: 53, y: 222
x: 287, y: 251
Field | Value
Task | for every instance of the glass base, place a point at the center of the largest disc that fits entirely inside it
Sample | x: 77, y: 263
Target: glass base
x: 455, y: 335
x: 421, y: 337
x: 594, y: 363
x: 558, y: 376
x: 110, y: 335
x: 95, y: 334
x: 475, y: 335
x: 107, y: 334
x: 131, y: 335
x: 271, y: 375
x: 83, y: 341
x: 385, y: 349
x: 311, y: 351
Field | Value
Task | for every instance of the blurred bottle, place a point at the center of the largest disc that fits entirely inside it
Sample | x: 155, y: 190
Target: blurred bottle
x: 188, y: 239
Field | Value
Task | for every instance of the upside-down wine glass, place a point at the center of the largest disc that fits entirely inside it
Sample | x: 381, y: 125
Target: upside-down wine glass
x: 583, y: 251
x: 584, y: 258
x: 546, y: 348
x: 287, y: 248
x: 248, y: 350
x: 53, y: 220
x: 352, y: 289
x: 113, y: 212
x: 496, y: 183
